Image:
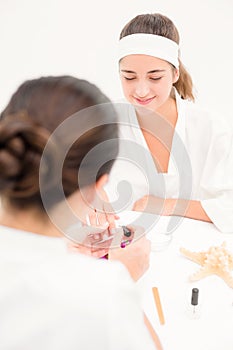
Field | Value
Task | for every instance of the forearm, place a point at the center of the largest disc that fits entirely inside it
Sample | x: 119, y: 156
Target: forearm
x: 180, y: 207
x: 187, y: 208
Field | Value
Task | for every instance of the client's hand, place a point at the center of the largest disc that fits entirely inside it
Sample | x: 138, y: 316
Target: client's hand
x: 95, y: 243
x: 97, y: 220
x: 104, y: 212
x: 135, y: 256
x: 155, y: 205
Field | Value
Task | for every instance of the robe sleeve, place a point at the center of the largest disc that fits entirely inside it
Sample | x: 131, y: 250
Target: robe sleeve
x: 217, y: 179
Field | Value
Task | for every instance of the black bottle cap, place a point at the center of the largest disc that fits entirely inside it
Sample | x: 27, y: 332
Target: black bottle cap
x: 127, y: 232
x: 194, y: 300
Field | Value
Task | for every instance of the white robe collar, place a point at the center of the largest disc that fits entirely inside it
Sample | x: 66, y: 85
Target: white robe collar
x: 179, y: 129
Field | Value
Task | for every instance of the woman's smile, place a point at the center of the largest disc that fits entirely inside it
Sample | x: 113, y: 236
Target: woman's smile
x: 144, y: 101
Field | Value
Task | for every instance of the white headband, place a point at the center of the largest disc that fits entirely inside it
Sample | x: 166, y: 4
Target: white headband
x: 151, y: 45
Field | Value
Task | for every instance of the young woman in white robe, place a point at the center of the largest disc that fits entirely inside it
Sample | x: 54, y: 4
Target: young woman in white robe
x: 174, y: 158
x: 51, y: 298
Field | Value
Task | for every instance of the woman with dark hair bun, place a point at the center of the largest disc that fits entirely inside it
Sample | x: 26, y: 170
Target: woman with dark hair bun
x: 58, y: 141
x: 187, y: 165
x: 33, y: 114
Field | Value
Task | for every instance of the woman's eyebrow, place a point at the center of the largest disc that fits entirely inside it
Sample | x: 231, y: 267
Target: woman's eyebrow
x: 150, y: 72
x: 128, y: 71
x: 156, y: 71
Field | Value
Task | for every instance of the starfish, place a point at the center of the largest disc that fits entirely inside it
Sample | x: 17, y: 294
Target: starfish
x: 217, y: 260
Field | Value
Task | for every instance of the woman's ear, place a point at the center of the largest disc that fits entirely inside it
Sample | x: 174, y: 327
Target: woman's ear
x: 176, y: 75
x: 101, y: 182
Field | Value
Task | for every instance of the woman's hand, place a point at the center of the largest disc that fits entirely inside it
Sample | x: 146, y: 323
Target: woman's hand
x: 96, y: 242
x: 135, y: 256
x: 155, y: 205
x: 99, y: 222
x: 104, y: 212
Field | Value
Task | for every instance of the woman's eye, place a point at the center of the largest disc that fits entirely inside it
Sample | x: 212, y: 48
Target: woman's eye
x: 126, y: 78
x: 156, y: 78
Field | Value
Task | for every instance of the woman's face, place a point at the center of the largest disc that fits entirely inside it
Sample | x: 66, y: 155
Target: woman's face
x: 146, y: 80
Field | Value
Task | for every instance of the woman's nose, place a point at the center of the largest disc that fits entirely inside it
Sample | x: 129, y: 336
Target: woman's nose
x: 142, y: 89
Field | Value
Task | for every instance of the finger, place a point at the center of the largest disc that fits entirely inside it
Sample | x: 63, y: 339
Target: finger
x: 117, y: 234
x: 86, y: 248
x: 104, y: 243
x: 97, y: 236
x: 93, y: 218
x: 98, y: 219
x: 82, y: 235
x: 99, y: 253
x: 110, y: 214
x: 102, y: 218
x: 87, y: 221
x: 111, y: 221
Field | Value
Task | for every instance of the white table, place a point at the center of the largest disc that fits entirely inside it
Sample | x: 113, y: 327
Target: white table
x: 169, y: 271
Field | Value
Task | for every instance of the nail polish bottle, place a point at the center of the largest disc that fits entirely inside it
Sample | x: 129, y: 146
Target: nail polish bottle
x: 193, y: 305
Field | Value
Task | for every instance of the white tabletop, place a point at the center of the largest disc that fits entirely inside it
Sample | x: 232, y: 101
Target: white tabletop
x: 211, y: 327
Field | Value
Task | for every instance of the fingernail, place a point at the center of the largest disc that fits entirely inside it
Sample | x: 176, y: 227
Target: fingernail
x: 125, y: 243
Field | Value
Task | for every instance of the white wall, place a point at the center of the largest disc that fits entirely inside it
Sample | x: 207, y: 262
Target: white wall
x: 47, y: 37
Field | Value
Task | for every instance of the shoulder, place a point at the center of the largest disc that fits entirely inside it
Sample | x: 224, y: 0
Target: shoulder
x: 76, y: 281
x: 193, y: 111
x: 201, y: 119
x: 74, y: 297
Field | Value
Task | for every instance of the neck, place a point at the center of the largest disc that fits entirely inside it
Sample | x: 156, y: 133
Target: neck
x: 169, y: 111
x: 27, y: 220
x: 37, y: 221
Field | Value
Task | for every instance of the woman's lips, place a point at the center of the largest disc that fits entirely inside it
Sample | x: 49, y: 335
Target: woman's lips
x: 144, y: 101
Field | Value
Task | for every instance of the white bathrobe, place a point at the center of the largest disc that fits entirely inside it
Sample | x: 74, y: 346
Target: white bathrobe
x: 52, y: 299
x: 200, y: 166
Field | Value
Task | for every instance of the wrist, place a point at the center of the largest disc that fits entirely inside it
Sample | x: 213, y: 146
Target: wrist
x: 169, y: 207
x: 180, y: 207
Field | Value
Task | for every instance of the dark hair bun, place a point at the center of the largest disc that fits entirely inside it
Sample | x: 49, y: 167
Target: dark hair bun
x: 35, y: 111
x: 21, y: 145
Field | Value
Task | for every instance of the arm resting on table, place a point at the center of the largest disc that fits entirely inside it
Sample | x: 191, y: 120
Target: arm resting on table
x: 180, y: 207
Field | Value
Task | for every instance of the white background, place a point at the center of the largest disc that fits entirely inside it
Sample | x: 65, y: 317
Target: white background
x: 49, y: 37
